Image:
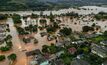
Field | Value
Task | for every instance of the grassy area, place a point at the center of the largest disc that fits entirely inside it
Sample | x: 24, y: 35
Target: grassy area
x: 98, y: 38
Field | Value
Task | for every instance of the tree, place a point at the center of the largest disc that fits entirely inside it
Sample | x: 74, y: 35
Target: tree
x: 51, y: 17
x: 93, y: 25
x: 26, y: 40
x: 3, y: 17
x: 12, y: 57
x: 87, y: 28
x: 9, y: 44
x: 20, y: 30
x: 34, y: 15
x: 66, y: 31
x: 27, y: 28
x: 31, y: 28
x: 17, y: 19
x: 72, y: 38
x: 55, y: 25
x: 52, y: 49
x: 45, y: 49
x: 93, y: 59
x: 35, y: 41
x: 101, y: 16
x: 9, y: 37
x: 67, y: 58
x: 51, y: 29
x: 2, y: 57
x: 8, y: 29
x: 43, y: 21
x: 5, y: 48
x: 105, y: 33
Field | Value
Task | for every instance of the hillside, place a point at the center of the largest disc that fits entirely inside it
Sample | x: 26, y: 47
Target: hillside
x: 17, y: 5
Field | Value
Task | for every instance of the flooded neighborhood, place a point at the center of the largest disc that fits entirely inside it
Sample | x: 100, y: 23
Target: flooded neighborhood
x: 64, y: 37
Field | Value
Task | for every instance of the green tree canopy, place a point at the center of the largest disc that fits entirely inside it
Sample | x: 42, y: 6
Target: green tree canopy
x: 12, y: 57
x: 66, y: 31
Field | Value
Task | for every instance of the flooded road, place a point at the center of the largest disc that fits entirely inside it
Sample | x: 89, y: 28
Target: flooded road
x: 17, y: 45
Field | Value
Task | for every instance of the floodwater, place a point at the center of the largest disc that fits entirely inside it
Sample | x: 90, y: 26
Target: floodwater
x: 90, y: 9
x: 18, y: 45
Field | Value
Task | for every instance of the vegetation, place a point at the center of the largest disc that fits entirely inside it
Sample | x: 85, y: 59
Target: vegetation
x: 84, y: 49
x: 17, y: 19
x: 2, y: 57
x: 43, y: 21
x: 8, y: 45
x: 35, y: 41
x: 93, y: 59
x: 67, y: 58
x: 50, y: 49
x: 66, y: 31
x: 87, y: 29
x: 12, y: 57
x: 51, y: 29
x: 4, y: 48
x: 7, y: 5
x: 20, y: 30
x: 3, y: 16
x: 34, y: 15
x: 99, y: 38
x: 26, y: 40
x: 105, y: 33
x: 71, y: 14
x: 27, y: 30
x: 101, y: 16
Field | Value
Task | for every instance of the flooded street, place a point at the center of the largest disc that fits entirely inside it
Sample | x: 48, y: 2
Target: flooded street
x: 18, y: 45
